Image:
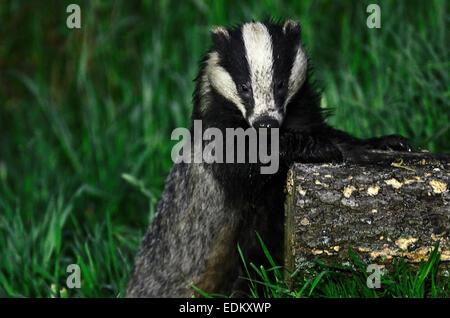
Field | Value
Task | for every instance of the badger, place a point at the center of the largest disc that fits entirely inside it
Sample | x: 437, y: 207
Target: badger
x: 255, y: 75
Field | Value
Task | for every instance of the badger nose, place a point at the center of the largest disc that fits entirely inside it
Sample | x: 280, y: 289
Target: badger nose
x: 266, y: 122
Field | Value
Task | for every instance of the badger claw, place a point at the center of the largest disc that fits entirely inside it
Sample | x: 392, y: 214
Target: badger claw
x: 391, y: 142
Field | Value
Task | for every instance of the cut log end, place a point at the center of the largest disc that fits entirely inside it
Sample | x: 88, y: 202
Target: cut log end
x: 390, y: 206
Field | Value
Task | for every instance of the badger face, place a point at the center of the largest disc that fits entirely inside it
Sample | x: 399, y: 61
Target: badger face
x: 258, y: 67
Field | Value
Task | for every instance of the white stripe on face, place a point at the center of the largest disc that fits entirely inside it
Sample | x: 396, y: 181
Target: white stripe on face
x: 221, y: 80
x: 298, y: 74
x: 259, y: 54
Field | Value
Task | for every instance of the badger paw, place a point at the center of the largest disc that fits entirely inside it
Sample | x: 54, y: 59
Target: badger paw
x: 390, y: 142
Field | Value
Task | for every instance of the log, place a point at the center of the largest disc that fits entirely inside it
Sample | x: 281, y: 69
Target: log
x: 388, y: 205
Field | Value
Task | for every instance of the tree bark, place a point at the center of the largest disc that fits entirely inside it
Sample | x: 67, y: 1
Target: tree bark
x: 386, y: 206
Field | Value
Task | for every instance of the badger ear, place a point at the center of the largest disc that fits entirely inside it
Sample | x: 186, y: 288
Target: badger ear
x: 220, y: 35
x: 291, y: 27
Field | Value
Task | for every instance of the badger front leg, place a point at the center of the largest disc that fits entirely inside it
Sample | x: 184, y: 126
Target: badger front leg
x: 390, y: 142
x: 352, y: 147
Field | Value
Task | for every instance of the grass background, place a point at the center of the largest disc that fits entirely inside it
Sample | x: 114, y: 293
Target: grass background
x: 86, y: 115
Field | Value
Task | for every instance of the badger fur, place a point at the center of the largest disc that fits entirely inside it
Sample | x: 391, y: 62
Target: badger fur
x: 255, y: 75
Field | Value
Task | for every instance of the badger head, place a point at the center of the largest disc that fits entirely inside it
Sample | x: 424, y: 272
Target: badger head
x: 256, y: 69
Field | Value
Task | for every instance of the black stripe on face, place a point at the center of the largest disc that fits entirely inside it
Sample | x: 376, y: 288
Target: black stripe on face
x: 284, y: 51
x: 233, y: 60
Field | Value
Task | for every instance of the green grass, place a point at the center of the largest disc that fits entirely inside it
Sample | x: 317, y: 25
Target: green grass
x: 350, y: 281
x: 86, y: 115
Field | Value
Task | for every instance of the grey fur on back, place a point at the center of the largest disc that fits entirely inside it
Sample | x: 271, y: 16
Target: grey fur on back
x: 190, y: 240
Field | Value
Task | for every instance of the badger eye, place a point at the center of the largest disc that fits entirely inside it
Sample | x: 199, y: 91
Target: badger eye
x: 244, y: 88
x: 279, y: 85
